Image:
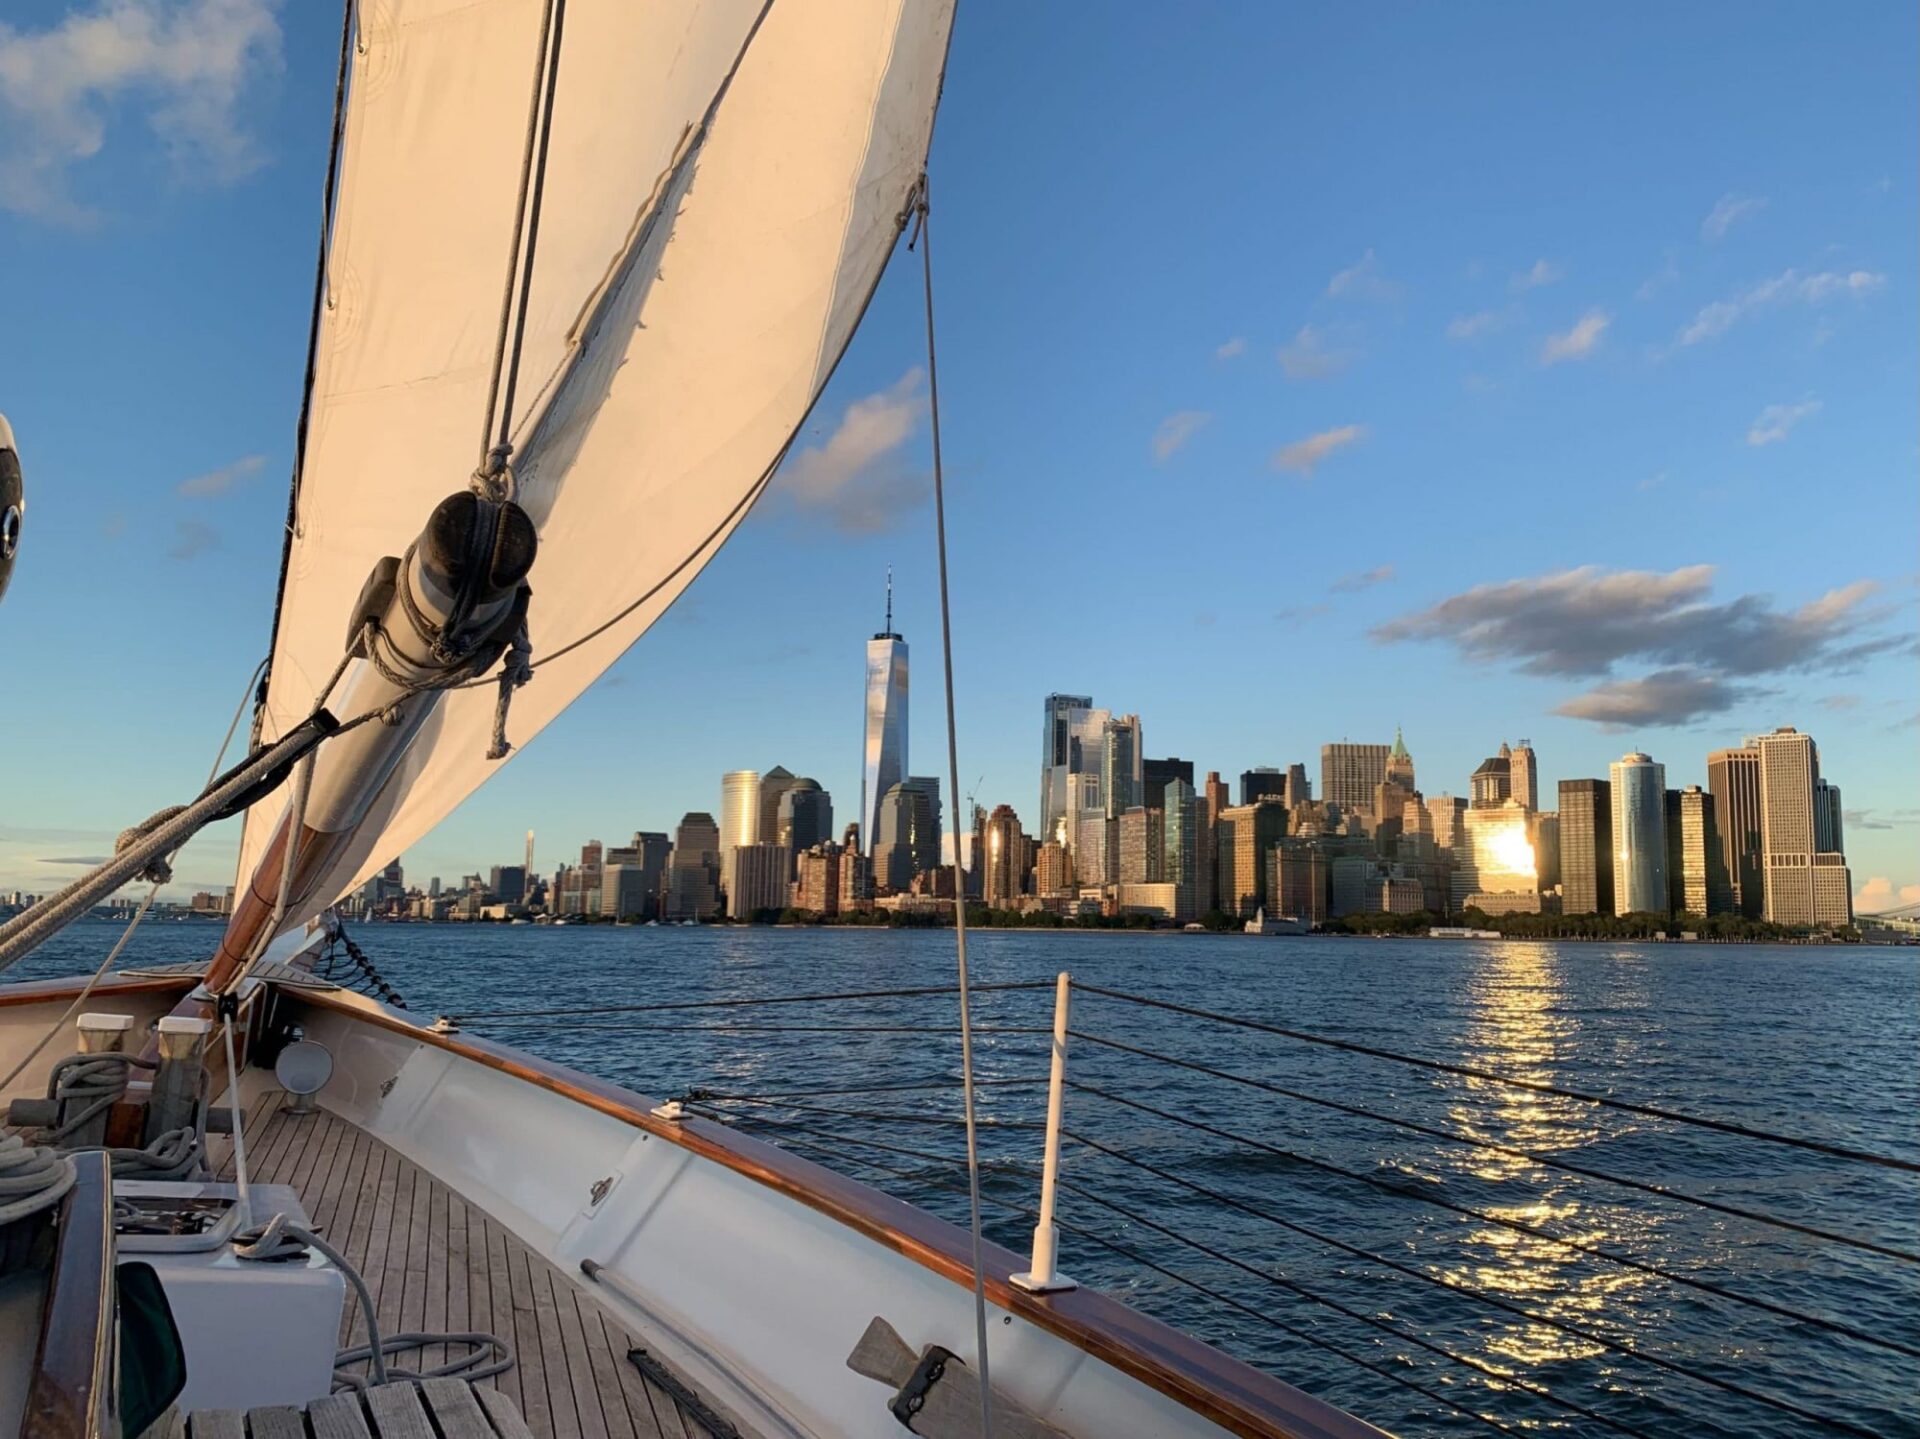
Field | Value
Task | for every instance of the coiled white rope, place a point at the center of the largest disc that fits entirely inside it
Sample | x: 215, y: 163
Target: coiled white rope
x: 32, y: 1178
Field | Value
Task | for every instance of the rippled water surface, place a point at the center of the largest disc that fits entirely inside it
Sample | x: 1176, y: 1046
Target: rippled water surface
x: 1821, y: 1043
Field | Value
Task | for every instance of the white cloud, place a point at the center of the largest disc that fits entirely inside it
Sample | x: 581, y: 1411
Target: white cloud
x: 1543, y: 272
x: 1361, y: 580
x: 1303, y: 455
x: 1306, y: 356
x: 1233, y: 349
x: 856, y: 479
x: 218, y: 482
x: 1730, y: 211
x: 1878, y: 894
x: 1667, y: 274
x: 1776, y: 421
x: 1175, y: 431
x: 183, y: 67
x: 1471, y: 327
x: 1362, y: 280
x: 1579, y: 342
x: 191, y: 539
x: 1788, y: 287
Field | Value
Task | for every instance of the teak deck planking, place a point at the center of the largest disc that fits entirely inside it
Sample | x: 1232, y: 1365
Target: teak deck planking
x: 435, y: 1261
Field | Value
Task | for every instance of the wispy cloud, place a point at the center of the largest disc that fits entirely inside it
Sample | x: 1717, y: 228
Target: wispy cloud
x: 1233, y: 349
x: 1362, y: 280
x: 191, y: 539
x: 1362, y: 580
x: 1175, y: 431
x: 1840, y: 704
x: 857, y: 480
x: 1541, y: 272
x: 1472, y: 327
x: 182, y: 67
x: 1728, y: 212
x: 1776, y: 421
x: 1788, y: 287
x: 1302, y: 456
x: 1579, y: 342
x: 218, y: 482
x: 1701, y: 656
x: 1666, y: 275
x: 1306, y: 356
x: 1296, y: 615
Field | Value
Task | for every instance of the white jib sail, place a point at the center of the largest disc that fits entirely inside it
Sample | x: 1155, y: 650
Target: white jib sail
x: 666, y: 366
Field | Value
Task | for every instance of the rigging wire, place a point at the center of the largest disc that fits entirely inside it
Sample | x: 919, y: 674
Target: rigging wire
x: 1514, y: 1152
x: 922, y: 217
x: 1725, y: 1126
x: 1455, y: 1286
x: 1834, y: 1326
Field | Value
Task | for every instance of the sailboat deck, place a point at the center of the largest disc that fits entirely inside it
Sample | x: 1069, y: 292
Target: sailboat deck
x: 435, y: 1262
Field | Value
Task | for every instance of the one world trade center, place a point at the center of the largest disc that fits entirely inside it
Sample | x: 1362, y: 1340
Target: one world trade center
x: 884, y: 760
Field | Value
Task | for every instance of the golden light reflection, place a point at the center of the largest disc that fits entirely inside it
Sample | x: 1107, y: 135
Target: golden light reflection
x: 1522, y: 1026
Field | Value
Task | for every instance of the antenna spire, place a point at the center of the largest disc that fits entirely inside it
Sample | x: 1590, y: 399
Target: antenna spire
x: 889, y: 599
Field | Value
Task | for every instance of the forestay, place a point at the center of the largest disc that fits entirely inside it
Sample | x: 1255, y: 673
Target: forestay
x: 694, y: 288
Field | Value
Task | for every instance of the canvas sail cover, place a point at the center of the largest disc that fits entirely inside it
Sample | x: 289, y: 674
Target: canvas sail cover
x: 693, y: 290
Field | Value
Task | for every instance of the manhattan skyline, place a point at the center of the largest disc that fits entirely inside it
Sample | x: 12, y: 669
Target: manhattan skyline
x: 1596, y: 429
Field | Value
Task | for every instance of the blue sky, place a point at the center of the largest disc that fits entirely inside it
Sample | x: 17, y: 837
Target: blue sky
x: 1498, y: 372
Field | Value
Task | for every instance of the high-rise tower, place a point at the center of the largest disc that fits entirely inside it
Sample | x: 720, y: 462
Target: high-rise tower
x: 1523, y: 776
x: 1733, y: 777
x: 1805, y: 884
x: 1072, y: 743
x: 1639, y: 794
x: 884, y: 756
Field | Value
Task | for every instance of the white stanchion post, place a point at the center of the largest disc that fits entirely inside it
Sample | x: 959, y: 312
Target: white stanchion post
x: 1042, y: 1277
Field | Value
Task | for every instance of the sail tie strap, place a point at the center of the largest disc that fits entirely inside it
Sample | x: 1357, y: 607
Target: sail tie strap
x: 515, y: 670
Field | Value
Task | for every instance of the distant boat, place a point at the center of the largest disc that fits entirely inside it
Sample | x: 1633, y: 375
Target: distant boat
x: 1260, y: 924
x: 1458, y: 932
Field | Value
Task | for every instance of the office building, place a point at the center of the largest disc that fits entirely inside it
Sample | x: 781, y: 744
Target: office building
x: 1155, y: 775
x: 1141, y: 836
x: 1733, y: 778
x: 926, y: 838
x: 1242, y: 838
x: 1005, y: 877
x: 1400, y: 763
x: 1827, y: 821
x: 756, y: 880
x: 507, y: 884
x: 1052, y: 871
x: 773, y: 784
x: 1262, y: 782
x: 1299, y: 881
x: 1348, y: 773
x: 816, y: 879
x: 1072, y: 743
x: 1495, y: 869
x: 1523, y: 776
x: 693, y: 874
x: 1804, y: 885
x: 739, y: 810
x: 883, y: 761
x: 1492, y: 783
x: 1586, y: 846
x: 804, y: 817
x: 1639, y: 795
x: 1180, y: 829
x: 856, y: 874
x: 1697, y: 881
x: 1121, y: 768
x: 1446, y: 817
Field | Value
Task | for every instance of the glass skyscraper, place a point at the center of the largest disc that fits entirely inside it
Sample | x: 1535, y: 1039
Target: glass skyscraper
x: 1639, y: 834
x: 884, y: 753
